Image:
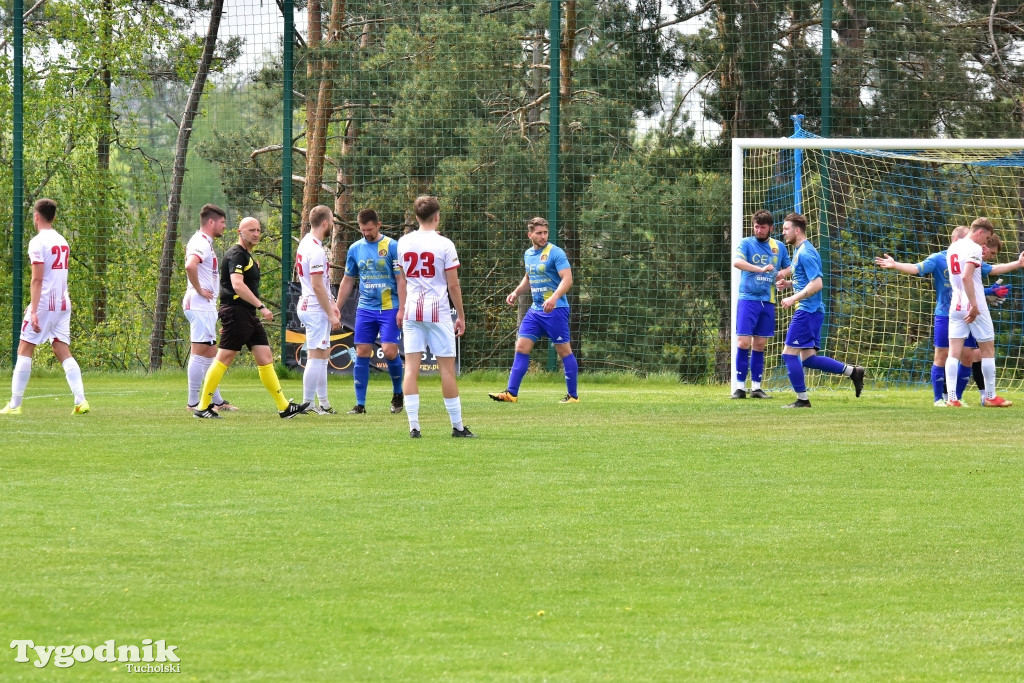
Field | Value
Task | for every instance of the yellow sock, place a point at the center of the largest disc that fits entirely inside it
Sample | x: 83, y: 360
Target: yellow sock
x: 273, y: 385
x: 213, y: 377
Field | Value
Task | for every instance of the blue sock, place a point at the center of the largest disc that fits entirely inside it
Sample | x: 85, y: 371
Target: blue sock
x: 825, y: 364
x: 572, y: 373
x: 938, y: 381
x: 756, y: 366
x: 795, y: 370
x: 963, y: 376
x: 395, y: 369
x: 361, y: 377
x: 519, y: 367
x: 742, y: 364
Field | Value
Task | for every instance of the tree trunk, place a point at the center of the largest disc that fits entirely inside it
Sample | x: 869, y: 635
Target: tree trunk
x: 318, y: 114
x: 568, y: 236
x: 163, y: 288
x: 104, y: 218
x: 343, y: 197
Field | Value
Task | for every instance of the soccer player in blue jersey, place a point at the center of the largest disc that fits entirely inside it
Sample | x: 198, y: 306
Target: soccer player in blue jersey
x: 934, y: 266
x: 760, y: 259
x: 374, y: 260
x: 548, y: 278
x: 803, y: 339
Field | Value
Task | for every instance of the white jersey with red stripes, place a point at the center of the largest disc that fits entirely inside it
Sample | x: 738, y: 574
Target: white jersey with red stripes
x: 311, y: 262
x: 426, y: 257
x: 959, y: 254
x: 200, y: 245
x: 50, y: 248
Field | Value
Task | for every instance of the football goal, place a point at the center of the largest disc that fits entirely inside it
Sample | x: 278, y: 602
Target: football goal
x: 865, y: 198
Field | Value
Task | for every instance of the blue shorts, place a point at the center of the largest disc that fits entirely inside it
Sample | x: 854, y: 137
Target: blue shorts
x: 941, y: 334
x: 805, y: 330
x: 554, y: 325
x: 369, y: 322
x: 755, y: 318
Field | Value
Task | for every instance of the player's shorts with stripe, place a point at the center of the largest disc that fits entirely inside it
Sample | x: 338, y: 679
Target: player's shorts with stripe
x: 439, y: 337
x: 981, y: 328
x: 941, y: 334
x: 755, y: 318
x: 805, y: 330
x: 369, y: 322
x: 318, y: 327
x: 554, y: 325
x: 240, y: 327
x: 53, y: 326
x: 202, y: 326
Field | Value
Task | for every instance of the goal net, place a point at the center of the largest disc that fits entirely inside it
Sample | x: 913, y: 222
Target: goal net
x: 864, y: 198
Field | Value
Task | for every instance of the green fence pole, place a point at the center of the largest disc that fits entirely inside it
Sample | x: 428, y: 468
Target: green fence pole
x: 555, y: 48
x: 18, y: 193
x: 288, y: 9
x: 826, y: 68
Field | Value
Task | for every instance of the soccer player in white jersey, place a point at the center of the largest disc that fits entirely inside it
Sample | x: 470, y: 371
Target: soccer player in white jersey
x: 969, y: 314
x: 317, y: 310
x: 430, y: 264
x: 199, y: 302
x: 48, y: 317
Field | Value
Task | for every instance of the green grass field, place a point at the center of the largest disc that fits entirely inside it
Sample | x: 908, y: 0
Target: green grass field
x: 652, y: 532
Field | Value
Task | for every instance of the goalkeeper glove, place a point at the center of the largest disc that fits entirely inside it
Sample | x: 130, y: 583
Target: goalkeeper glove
x: 997, y: 293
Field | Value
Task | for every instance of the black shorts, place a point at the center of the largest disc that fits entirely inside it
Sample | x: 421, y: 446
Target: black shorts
x: 240, y: 327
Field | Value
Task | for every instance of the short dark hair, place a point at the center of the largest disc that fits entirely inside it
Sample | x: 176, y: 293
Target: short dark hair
x: 797, y: 219
x: 534, y: 223
x: 209, y: 211
x: 367, y: 216
x: 764, y: 217
x: 425, y: 207
x: 319, y: 214
x: 982, y: 224
x: 47, y: 208
x: 994, y: 243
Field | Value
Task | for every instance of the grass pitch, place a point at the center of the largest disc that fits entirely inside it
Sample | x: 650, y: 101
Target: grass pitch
x: 652, y: 532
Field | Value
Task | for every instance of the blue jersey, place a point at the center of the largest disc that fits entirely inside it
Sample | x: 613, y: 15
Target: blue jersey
x: 806, y: 267
x: 542, y: 266
x: 935, y: 265
x: 375, y: 264
x: 761, y: 286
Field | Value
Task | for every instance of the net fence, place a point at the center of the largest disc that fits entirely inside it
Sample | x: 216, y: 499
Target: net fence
x: 454, y: 98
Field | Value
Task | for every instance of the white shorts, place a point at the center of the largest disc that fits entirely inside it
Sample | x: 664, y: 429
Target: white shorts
x: 981, y: 328
x: 318, y: 328
x: 53, y: 326
x: 439, y: 337
x: 203, y: 326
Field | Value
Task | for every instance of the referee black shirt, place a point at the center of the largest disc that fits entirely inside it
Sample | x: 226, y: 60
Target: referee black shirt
x: 238, y: 260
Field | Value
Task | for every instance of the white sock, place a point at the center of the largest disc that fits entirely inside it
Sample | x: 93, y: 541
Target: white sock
x: 196, y: 369
x: 988, y: 370
x: 22, y: 371
x: 454, y: 408
x: 412, y: 410
x: 952, y: 368
x: 847, y: 370
x: 741, y: 386
x: 321, y: 383
x: 309, y: 379
x: 74, y: 376
x: 754, y: 386
x: 802, y: 395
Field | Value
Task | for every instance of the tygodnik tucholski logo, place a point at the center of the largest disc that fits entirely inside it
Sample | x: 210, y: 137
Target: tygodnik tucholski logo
x: 152, y: 657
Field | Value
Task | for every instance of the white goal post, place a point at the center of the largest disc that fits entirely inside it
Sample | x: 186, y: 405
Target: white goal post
x: 909, y: 175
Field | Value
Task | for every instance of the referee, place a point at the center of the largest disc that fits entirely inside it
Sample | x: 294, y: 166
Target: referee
x: 239, y: 303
